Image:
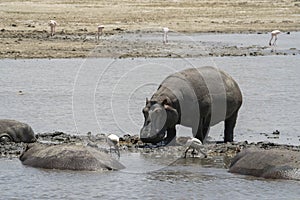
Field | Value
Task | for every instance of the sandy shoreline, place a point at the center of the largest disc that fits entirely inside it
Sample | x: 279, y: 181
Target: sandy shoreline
x: 25, y: 34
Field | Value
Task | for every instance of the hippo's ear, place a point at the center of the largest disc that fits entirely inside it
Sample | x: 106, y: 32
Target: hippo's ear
x: 147, y: 100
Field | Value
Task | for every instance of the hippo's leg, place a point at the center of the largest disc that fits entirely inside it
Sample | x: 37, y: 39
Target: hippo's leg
x: 205, y: 131
x: 202, y: 129
x: 171, y: 134
x: 229, y: 126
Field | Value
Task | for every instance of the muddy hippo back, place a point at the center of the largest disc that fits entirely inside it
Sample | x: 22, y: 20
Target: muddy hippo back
x: 15, y: 131
x: 274, y: 164
x: 68, y: 157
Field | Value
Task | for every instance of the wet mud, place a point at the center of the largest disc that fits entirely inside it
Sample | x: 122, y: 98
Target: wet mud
x: 219, y: 154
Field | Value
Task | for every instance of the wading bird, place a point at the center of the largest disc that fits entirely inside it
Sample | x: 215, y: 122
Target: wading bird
x: 113, y: 140
x: 52, y: 25
x: 194, y: 144
x: 165, y: 35
x: 100, y: 31
x: 274, y: 35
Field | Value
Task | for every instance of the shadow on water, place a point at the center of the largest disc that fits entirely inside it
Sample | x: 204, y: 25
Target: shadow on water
x: 195, y: 169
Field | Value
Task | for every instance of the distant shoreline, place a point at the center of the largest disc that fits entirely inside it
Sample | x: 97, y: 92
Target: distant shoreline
x: 25, y: 32
x: 125, y: 44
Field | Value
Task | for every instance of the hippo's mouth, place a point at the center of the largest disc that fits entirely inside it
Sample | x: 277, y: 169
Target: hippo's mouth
x: 154, y: 138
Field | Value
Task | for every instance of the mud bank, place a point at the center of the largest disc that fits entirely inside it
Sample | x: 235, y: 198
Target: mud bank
x: 25, y: 32
x: 130, y: 144
x: 122, y: 44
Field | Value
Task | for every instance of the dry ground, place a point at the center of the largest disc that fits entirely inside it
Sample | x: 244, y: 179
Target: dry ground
x: 24, y: 32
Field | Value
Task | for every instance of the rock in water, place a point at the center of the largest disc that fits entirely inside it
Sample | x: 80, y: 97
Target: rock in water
x: 68, y: 157
x: 273, y: 163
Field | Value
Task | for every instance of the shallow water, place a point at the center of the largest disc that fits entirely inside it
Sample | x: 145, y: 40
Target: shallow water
x: 107, y: 95
x: 176, y: 182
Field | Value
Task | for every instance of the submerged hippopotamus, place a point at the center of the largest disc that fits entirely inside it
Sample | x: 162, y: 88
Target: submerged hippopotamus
x: 15, y: 131
x: 68, y: 157
x: 274, y: 163
x: 196, y: 98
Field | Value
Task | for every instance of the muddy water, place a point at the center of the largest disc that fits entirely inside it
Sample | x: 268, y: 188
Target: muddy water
x: 106, y: 95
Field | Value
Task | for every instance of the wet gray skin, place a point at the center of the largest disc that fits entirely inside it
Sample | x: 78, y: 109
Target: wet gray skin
x: 198, y: 98
x: 68, y: 157
x: 273, y: 163
x: 15, y: 131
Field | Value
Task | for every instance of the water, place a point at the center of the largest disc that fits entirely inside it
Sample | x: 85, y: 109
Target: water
x: 175, y: 182
x: 107, y: 95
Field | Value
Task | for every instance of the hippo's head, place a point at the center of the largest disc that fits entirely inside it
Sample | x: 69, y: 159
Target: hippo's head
x: 158, y: 118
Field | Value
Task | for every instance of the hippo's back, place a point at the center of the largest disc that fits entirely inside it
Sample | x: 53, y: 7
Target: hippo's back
x: 68, y: 157
x: 208, y: 90
x: 274, y: 163
x: 204, y: 81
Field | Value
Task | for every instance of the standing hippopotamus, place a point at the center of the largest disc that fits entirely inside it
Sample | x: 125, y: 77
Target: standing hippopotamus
x: 273, y: 163
x: 68, y: 157
x: 196, y: 98
x: 15, y: 131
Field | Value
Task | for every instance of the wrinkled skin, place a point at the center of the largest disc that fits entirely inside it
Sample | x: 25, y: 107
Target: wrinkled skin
x: 68, y: 157
x: 273, y: 163
x: 15, y: 131
x: 198, y: 98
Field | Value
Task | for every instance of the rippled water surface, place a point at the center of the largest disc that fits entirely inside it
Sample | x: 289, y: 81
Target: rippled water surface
x: 107, y: 95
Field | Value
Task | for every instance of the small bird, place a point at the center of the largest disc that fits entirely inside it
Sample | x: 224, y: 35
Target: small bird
x: 274, y: 35
x: 113, y: 140
x: 100, y: 31
x: 165, y: 35
x: 52, y: 24
x: 194, y: 144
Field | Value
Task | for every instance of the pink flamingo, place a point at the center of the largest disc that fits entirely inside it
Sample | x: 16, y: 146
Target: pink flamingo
x: 52, y: 25
x: 274, y: 35
x: 165, y: 35
x: 100, y: 31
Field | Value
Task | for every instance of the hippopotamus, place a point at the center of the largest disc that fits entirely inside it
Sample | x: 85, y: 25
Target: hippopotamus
x: 15, y: 131
x: 68, y: 157
x: 196, y: 97
x: 273, y: 163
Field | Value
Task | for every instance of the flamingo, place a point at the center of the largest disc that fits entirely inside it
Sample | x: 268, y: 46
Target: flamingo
x: 100, y: 31
x: 194, y: 144
x: 274, y: 35
x: 113, y: 140
x: 165, y: 35
x: 52, y: 24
